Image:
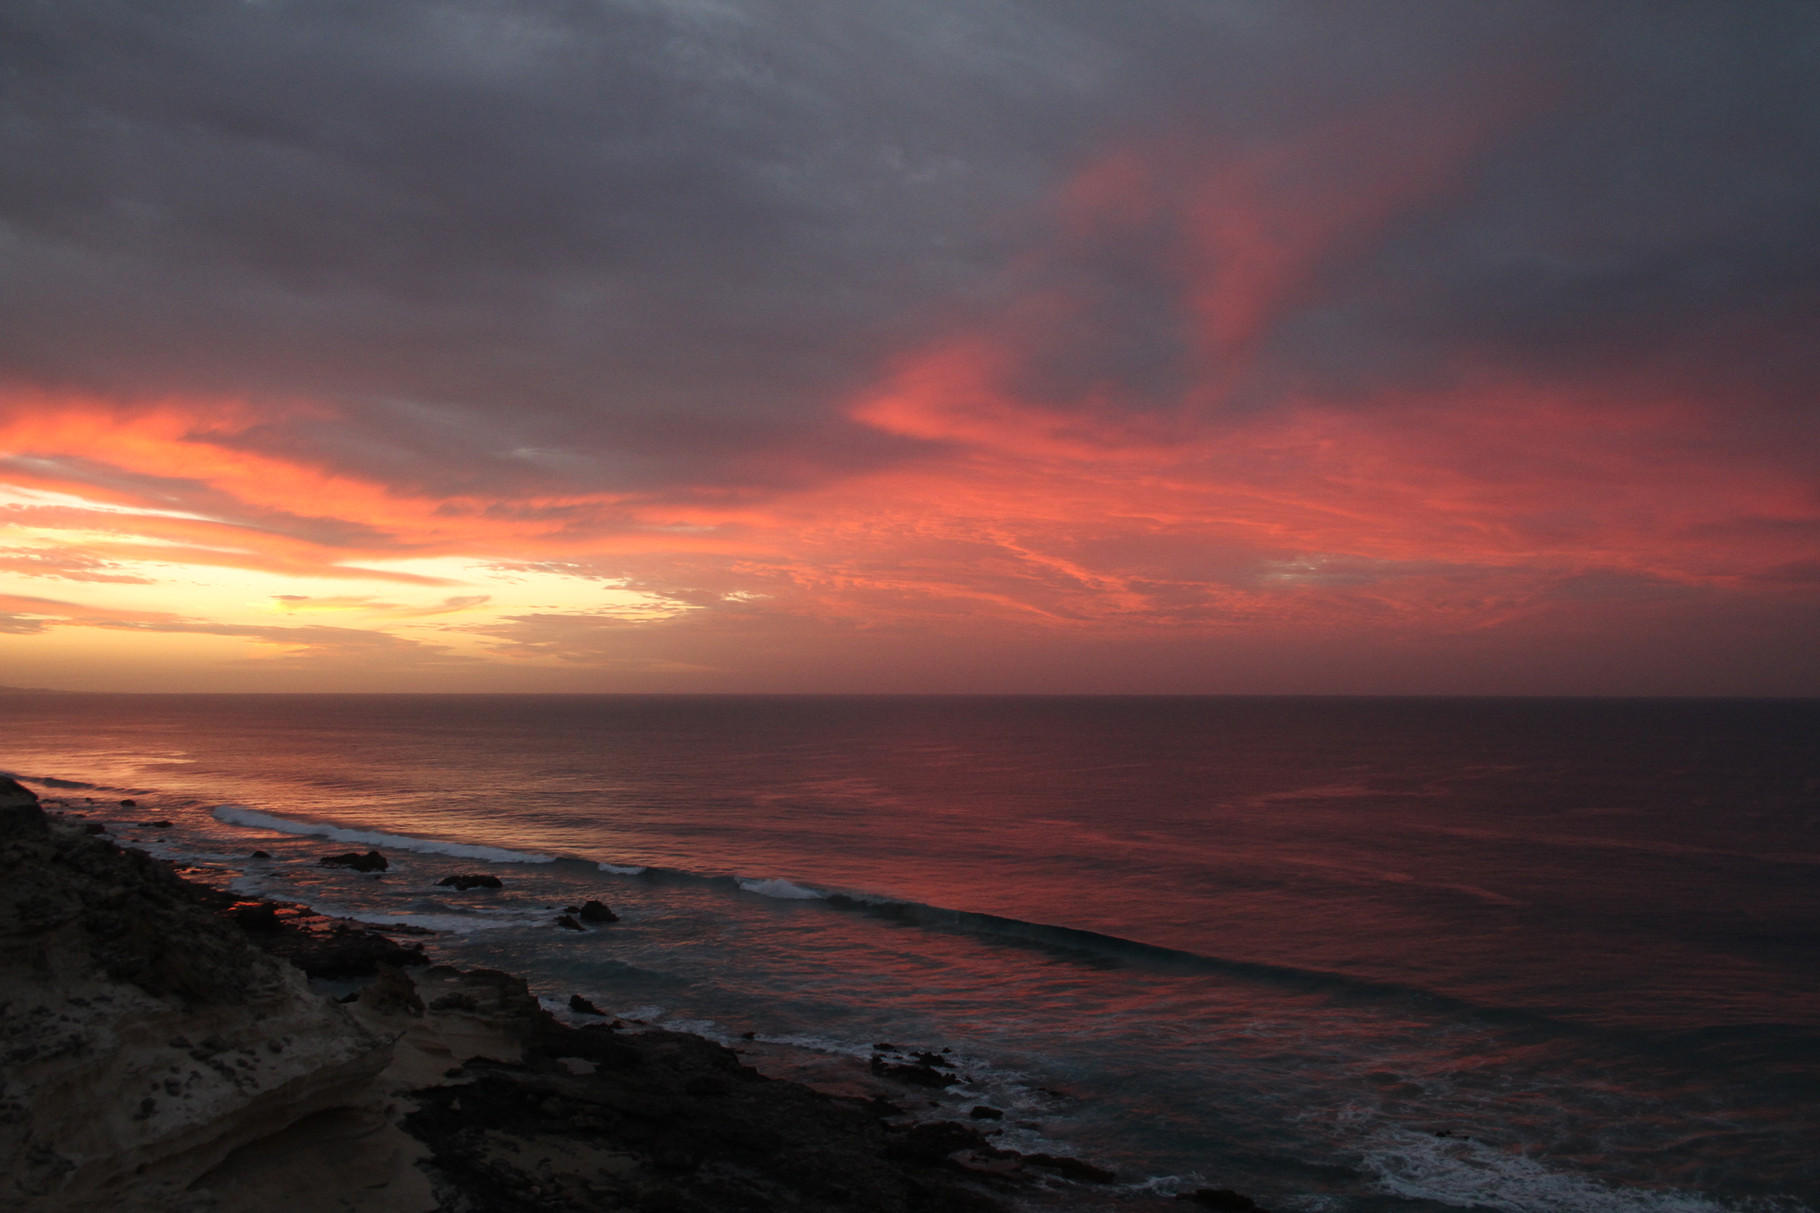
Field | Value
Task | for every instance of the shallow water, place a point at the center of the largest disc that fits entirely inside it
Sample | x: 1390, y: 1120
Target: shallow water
x: 1278, y: 945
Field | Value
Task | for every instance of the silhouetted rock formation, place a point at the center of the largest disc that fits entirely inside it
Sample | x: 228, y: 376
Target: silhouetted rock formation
x: 469, y: 880
x: 372, y: 861
x: 594, y: 911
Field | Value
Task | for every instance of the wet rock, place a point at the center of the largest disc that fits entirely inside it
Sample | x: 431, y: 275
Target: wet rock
x: 94, y: 827
x: 982, y: 1112
x: 262, y: 854
x: 594, y: 911
x: 372, y: 861
x: 257, y: 916
x: 1071, y: 1168
x: 582, y: 1006
x: 916, y: 1075
x: 335, y: 949
x: 568, y: 923
x: 667, y: 1120
x: 935, y: 1141
x: 19, y: 809
x: 1223, y: 1200
x: 129, y: 804
x: 464, y: 881
x: 156, y: 825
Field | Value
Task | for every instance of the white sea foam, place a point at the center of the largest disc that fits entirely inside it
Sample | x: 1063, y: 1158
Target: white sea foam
x: 1475, y: 1175
x: 621, y: 869
x: 458, y: 924
x: 240, y: 815
x: 779, y: 888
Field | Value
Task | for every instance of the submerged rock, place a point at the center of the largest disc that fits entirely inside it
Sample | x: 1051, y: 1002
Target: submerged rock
x: 464, y: 881
x: 1224, y: 1200
x: 917, y: 1075
x: 568, y: 923
x: 372, y: 861
x: 594, y: 911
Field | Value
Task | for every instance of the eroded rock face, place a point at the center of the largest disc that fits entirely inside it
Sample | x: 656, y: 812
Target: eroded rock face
x: 141, y: 1037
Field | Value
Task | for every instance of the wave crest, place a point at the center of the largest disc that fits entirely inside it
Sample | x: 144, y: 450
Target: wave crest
x: 240, y: 815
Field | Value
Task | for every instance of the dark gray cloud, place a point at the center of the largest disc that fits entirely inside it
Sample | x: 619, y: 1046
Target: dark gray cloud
x: 637, y: 245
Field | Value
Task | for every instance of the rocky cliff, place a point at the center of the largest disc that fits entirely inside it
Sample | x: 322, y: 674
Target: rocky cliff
x: 160, y: 1052
x: 142, y: 1039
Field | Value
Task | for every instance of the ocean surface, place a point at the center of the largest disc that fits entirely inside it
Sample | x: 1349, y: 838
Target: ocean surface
x: 1339, y: 954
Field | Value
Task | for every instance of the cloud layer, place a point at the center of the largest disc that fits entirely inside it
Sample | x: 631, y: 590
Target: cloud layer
x: 872, y: 345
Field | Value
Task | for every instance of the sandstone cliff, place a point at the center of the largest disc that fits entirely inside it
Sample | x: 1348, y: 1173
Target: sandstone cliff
x: 142, y: 1039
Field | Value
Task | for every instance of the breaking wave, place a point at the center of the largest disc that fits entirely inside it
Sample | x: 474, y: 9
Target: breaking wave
x: 240, y: 815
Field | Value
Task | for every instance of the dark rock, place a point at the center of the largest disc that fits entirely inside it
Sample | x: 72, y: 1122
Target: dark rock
x: 457, y: 1001
x: 595, y: 911
x: 982, y: 1112
x: 257, y: 916
x: 686, y: 1125
x: 464, y: 881
x: 1225, y: 1200
x: 20, y: 811
x: 392, y: 993
x: 335, y: 949
x: 262, y: 854
x: 372, y: 861
x: 156, y: 825
x: 582, y: 1006
x: 1071, y: 1168
x: 136, y: 919
x: 915, y: 1075
x: 568, y: 924
x: 129, y: 804
x: 935, y: 1141
x: 94, y: 827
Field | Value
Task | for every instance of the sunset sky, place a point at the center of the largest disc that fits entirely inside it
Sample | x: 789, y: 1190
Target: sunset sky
x: 910, y: 345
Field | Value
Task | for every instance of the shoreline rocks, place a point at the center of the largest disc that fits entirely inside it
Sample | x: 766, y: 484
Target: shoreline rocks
x: 161, y: 1051
x: 372, y: 861
x: 110, y: 967
x: 464, y: 881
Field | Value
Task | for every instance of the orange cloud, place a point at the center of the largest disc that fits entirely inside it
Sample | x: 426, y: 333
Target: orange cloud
x: 1236, y: 498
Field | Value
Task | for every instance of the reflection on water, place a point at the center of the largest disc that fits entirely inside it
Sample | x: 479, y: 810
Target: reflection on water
x: 1277, y: 944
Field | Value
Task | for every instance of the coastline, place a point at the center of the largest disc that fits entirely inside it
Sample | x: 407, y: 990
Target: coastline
x: 169, y: 1046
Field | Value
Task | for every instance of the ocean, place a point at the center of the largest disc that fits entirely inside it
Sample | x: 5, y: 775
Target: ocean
x: 1339, y: 954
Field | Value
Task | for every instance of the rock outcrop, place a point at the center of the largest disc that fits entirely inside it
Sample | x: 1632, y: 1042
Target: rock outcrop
x: 142, y: 1039
x: 157, y: 1057
x: 15, y: 795
x: 463, y: 881
x: 372, y: 861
